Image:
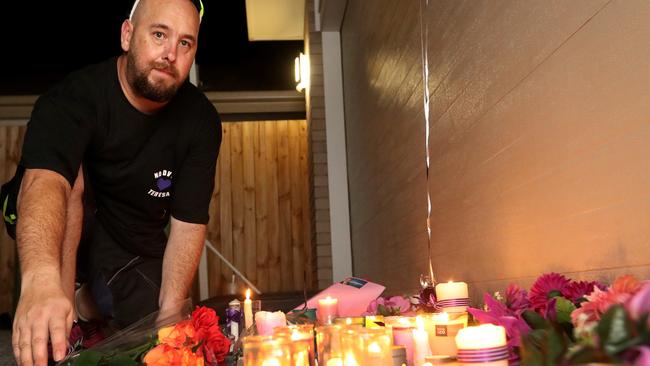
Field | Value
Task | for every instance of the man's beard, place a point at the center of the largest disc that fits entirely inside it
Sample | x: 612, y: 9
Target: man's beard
x: 139, y: 80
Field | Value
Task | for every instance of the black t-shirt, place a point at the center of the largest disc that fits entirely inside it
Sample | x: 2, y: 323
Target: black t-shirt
x: 141, y: 168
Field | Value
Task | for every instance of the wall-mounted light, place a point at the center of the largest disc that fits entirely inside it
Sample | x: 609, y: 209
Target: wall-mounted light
x: 302, y: 72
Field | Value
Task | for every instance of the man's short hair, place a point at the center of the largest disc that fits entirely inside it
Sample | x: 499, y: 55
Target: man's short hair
x: 197, y: 3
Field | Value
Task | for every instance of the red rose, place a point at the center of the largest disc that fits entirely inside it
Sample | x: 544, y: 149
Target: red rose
x: 214, y: 344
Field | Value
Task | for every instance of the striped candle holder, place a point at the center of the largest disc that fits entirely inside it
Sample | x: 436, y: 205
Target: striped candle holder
x: 495, y: 355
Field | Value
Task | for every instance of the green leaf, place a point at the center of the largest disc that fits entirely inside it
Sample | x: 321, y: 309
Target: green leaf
x: 615, y: 330
x: 122, y: 360
x: 586, y: 355
x: 88, y: 358
x: 564, y: 308
x: 534, y: 320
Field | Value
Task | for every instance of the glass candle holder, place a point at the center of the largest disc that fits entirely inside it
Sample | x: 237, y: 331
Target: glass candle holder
x: 328, y: 344
x: 302, y: 343
x: 375, y: 347
x: 351, y: 345
x: 266, y: 351
x: 442, y: 329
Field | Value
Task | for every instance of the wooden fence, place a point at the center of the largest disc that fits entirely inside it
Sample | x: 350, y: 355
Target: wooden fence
x: 260, y: 216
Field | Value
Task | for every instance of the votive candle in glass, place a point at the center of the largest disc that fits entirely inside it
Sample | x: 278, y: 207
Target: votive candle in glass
x: 327, y: 310
x: 442, y: 329
x: 328, y: 343
x: 266, y: 351
x: 265, y: 321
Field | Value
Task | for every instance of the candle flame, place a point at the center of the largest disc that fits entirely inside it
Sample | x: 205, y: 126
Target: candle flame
x: 420, y: 322
x: 328, y: 298
x: 348, y: 321
x: 295, y: 335
x: 427, y: 364
x: 374, y: 348
x: 450, y: 281
x: 350, y: 360
x: 248, y: 294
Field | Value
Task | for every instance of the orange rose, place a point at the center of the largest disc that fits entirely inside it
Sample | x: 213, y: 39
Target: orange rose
x: 180, y: 335
x: 166, y: 355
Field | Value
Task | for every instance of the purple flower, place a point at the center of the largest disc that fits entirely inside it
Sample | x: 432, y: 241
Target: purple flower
x: 516, y: 299
x: 577, y: 290
x: 498, y: 314
x: 638, y: 356
x: 546, y: 288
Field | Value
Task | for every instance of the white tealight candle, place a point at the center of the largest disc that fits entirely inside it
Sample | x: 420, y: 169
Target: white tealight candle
x: 328, y: 309
x: 484, y: 343
x: 452, y: 296
x: 248, y: 310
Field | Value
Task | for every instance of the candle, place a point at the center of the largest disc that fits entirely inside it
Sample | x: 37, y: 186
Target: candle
x: 335, y: 362
x: 234, y: 313
x: 484, y: 343
x: 327, y: 310
x: 328, y: 341
x: 265, y: 321
x: 452, y: 296
x: 248, y: 310
x: 442, y: 330
x: 420, y: 343
x: 403, y: 336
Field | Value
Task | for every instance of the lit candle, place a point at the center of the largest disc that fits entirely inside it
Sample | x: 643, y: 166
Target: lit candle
x: 265, y: 321
x: 452, y: 296
x: 403, y: 336
x: 420, y: 343
x: 248, y: 310
x: 484, y: 343
x: 328, y: 309
x: 442, y: 330
x: 335, y: 362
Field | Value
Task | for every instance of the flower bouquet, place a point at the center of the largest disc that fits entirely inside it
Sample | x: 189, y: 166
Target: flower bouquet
x: 184, y: 339
x: 564, y: 322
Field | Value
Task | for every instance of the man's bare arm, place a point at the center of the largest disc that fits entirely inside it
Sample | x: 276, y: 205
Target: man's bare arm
x: 43, y: 307
x: 181, y: 259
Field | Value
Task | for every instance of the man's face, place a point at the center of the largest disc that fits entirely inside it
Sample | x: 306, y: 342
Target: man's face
x: 162, y: 47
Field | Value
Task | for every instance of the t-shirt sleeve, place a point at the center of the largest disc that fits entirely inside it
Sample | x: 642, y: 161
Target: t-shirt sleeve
x: 58, y: 133
x: 194, y: 183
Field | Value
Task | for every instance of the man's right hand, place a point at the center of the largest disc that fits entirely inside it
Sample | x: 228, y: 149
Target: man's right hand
x: 43, y: 312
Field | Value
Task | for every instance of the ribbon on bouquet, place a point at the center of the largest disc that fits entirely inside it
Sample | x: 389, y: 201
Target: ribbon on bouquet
x: 483, y: 354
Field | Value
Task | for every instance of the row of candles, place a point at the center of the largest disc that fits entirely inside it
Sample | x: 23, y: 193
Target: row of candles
x: 423, y: 340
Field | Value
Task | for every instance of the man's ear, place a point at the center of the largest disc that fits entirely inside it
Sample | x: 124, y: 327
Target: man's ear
x: 126, y: 34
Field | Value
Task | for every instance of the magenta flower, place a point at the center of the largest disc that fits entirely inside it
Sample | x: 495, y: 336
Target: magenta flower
x: 516, y: 299
x: 577, y: 290
x: 545, y: 289
x: 498, y: 314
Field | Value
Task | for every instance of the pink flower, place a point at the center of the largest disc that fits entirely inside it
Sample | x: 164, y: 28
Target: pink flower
x: 516, y: 299
x: 577, y: 290
x: 599, y: 301
x: 498, y: 314
x: 545, y: 289
x: 396, y: 305
x: 640, y: 302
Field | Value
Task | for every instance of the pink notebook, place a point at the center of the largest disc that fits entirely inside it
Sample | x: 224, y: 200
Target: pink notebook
x: 354, y: 295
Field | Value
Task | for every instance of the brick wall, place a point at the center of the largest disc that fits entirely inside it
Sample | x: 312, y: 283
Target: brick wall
x: 318, y: 150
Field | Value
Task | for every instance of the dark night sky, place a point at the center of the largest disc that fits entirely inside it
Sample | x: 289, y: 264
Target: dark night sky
x: 45, y: 40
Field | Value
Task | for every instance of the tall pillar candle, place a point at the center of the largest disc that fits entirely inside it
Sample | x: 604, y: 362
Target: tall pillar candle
x: 452, y: 297
x: 248, y: 310
x: 484, y: 344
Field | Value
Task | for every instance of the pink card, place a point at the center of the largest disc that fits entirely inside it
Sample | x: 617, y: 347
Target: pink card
x: 354, y: 295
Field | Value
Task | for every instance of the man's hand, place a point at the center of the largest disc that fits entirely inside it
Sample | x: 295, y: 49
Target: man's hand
x: 43, y: 310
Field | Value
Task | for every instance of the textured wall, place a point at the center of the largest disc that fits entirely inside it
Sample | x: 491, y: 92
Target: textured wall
x: 540, y: 122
